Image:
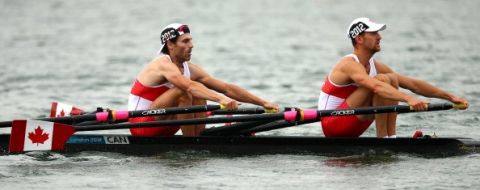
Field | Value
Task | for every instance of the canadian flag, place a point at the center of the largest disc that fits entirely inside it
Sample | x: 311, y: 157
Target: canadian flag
x: 31, y: 135
x: 60, y: 109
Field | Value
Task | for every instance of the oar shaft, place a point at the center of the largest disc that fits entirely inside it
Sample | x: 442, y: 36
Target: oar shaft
x: 232, y: 129
x: 307, y: 115
x: 173, y: 110
x: 255, y: 110
x: 160, y: 123
x: 112, y: 116
x: 381, y: 109
x: 315, y: 115
x: 5, y: 124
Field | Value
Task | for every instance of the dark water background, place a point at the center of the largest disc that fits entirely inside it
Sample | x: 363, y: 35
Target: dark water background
x: 87, y: 53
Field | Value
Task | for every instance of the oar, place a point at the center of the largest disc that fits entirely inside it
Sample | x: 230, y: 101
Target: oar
x: 302, y: 115
x: 246, y: 110
x: 272, y: 126
x: 371, y: 110
x: 232, y: 129
x: 112, y: 116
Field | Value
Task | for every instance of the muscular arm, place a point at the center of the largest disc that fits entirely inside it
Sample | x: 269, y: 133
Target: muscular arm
x: 359, y: 75
x: 168, y: 70
x: 426, y: 89
x: 233, y: 91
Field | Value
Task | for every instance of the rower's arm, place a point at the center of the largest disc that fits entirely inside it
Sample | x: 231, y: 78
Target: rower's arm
x: 426, y: 89
x: 231, y: 90
x: 358, y: 74
x: 174, y: 76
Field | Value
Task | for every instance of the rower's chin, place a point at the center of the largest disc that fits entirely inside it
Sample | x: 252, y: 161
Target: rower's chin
x: 188, y: 56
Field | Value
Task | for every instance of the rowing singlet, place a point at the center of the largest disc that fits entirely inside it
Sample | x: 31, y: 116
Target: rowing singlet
x: 332, y: 96
x: 141, y: 97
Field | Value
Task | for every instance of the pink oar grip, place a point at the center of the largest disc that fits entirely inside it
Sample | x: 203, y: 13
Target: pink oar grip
x: 209, y: 113
x: 309, y: 114
x: 290, y: 115
x: 121, y: 115
x: 102, y: 116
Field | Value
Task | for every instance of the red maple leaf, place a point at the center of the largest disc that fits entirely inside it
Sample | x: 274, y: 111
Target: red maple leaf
x: 38, y: 136
x: 62, y: 113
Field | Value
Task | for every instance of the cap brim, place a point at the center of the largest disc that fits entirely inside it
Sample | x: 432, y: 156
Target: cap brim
x: 376, y: 28
x: 160, y: 50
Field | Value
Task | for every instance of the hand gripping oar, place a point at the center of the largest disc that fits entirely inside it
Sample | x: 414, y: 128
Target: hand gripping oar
x: 112, y: 115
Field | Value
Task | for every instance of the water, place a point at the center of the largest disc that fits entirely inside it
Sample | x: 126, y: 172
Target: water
x: 88, y: 52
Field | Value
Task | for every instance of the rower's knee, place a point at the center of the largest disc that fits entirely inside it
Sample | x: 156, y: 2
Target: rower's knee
x: 199, y: 101
x: 185, y: 99
x: 389, y: 78
x: 383, y: 77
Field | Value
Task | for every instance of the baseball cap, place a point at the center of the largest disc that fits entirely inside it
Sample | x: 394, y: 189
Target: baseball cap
x: 172, y: 31
x: 363, y: 24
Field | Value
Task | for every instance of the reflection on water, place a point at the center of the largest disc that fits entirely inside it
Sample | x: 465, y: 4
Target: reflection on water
x: 363, y: 160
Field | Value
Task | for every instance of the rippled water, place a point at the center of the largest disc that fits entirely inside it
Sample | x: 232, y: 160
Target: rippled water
x: 88, y: 52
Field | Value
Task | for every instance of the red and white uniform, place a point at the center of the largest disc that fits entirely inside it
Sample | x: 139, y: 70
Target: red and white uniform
x: 332, y: 96
x: 141, y: 97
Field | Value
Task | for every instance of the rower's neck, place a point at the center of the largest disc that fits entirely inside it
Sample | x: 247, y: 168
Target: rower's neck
x: 363, y: 56
x: 177, y: 61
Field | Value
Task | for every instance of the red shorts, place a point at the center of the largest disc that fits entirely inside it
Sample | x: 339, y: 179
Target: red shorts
x: 152, y: 131
x: 344, y: 126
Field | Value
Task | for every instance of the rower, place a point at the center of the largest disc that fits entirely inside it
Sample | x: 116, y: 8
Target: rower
x: 359, y: 80
x: 172, y: 80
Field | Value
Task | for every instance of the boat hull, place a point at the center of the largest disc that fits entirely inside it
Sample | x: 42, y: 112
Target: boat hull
x: 436, y: 147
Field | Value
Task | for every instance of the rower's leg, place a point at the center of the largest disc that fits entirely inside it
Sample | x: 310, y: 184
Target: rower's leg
x: 174, y: 97
x: 362, y: 97
x: 386, y: 122
x: 197, y: 129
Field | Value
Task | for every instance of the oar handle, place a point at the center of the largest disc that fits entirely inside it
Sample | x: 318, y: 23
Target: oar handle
x: 459, y: 106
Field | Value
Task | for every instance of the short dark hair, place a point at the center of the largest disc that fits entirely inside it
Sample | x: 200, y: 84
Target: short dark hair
x: 165, y: 48
x: 353, y: 39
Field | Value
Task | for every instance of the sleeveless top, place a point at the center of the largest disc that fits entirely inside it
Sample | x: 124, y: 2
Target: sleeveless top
x: 332, y: 95
x: 142, y: 96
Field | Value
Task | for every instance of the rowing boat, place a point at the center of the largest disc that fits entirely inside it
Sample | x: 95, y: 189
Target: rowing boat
x: 255, y: 145
x: 52, y: 134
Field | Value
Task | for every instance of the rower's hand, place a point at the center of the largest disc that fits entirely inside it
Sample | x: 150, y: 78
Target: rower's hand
x: 229, y: 103
x: 272, y: 107
x: 462, y: 101
x: 418, y: 105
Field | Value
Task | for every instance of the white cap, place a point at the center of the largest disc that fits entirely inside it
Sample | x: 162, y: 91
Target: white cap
x: 363, y: 24
x: 172, y: 31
